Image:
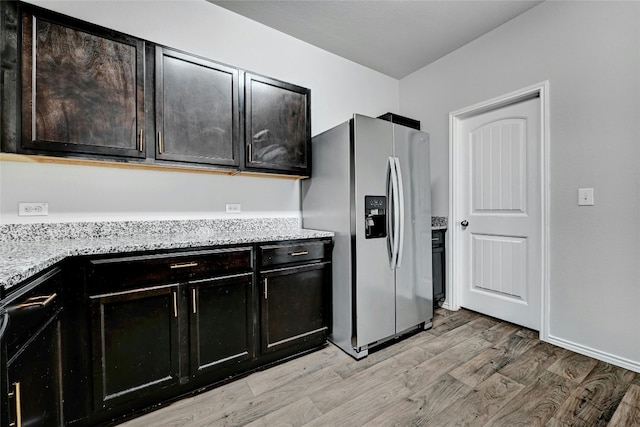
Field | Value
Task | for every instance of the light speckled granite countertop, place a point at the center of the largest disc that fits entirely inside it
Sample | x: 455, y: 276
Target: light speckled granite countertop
x: 27, y: 249
x: 24, y: 257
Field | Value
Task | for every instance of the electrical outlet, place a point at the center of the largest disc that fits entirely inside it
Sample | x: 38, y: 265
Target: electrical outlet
x: 33, y: 209
x: 585, y: 197
x: 232, y: 207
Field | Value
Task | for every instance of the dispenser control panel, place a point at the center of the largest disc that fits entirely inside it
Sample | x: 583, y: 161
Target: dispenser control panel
x: 375, y: 217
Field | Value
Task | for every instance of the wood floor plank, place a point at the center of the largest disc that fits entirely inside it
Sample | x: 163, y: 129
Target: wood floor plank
x: 253, y: 408
x: 628, y: 412
x: 499, y: 332
x: 479, y: 405
x: 295, y: 414
x: 334, y: 395
x: 533, y: 362
x: 535, y: 404
x: 595, y: 399
x: 420, y: 407
x: 353, y: 366
x: 574, y: 367
x: 429, y: 371
x: 359, y: 410
x: 187, y: 411
x: 459, y: 335
x: 261, y: 381
x: 445, y: 324
x: 492, y: 360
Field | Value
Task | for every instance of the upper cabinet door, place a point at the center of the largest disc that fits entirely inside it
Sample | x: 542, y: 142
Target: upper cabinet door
x: 82, y: 88
x: 277, y: 126
x: 196, y: 110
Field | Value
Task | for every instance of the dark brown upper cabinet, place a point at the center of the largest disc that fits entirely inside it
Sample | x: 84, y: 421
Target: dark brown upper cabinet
x: 196, y: 110
x: 82, y: 88
x: 277, y: 126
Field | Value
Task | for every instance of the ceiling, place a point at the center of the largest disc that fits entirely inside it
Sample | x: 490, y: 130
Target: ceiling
x: 394, y: 37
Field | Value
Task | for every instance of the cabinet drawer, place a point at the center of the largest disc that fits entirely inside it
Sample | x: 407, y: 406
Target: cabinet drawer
x: 28, y: 308
x: 293, y: 253
x: 120, y: 272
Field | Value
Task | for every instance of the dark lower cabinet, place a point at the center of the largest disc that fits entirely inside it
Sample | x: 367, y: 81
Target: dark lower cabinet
x: 132, y: 331
x: 135, y: 344
x: 293, y: 306
x: 32, y: 347
x: 33, y: 376
x: 439, y: 266
x: 220, y: 323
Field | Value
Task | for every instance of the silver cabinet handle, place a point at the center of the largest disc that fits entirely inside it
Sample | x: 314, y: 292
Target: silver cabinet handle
x: 16, y: 393
x: 41, y: 301
x: 266, y: 284
x: 193, y: 299
x: 184, y: 265
x: 175, y: 304
x: 299, y: 253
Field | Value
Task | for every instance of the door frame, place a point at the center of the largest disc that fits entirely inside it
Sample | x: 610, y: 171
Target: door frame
x: 454, y: 270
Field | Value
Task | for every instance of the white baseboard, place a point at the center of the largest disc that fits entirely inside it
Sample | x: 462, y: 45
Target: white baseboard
x: 596, y: 354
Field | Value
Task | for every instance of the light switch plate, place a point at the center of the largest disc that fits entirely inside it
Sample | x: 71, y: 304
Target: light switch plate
x: 585, y: 197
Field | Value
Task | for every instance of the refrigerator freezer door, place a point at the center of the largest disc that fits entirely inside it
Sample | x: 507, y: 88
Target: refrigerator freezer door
x: 374, y: 316
x: 414, y: 282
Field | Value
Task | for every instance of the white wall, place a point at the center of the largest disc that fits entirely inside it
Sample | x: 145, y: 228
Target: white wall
x: 339, y: 88
x: 590, y: 53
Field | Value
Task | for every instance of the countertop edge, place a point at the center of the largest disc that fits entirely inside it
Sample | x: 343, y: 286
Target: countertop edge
x: 47, y: 254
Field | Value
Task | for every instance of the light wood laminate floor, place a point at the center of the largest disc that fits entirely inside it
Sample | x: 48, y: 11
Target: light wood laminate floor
x: 469, y: 370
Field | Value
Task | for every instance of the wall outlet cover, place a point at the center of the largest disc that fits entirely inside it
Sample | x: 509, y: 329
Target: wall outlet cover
x: 585, y: 197
x: 232, y: 208
x: 33, y: 209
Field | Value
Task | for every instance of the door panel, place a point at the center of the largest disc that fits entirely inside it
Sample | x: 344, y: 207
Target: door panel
x: 414, y: 279
x: 220, y: 322
x: 135, y: 344
x: 501, y: 200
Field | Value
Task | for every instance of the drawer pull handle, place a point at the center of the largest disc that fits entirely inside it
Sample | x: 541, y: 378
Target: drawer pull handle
x: 193, y: 302
x: 435, y: 239
x: 41, y: 301
x: 160, y: 144
x: 299, y: 253
x: 16, y: 393
x: 266, y: 284
x: 141, y: 141
x: 184, y: 265
x: 175, y: 304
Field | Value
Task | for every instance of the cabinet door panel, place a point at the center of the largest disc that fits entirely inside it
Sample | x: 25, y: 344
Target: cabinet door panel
x: 33, y: 376
x: 294, y: 305
x: 278, y: 129
x: 221, y: 324
x: 81, y: 92
x: 196, y: 109
x: 135, y: 343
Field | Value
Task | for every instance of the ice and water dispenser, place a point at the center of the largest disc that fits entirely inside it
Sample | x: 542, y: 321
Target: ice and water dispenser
x: 375, y: 216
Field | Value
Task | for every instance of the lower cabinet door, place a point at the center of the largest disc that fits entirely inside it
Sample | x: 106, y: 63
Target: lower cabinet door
x: 33, y: 378
x: 220, y: 322
x: 135, y: 343
x: 294, y: 306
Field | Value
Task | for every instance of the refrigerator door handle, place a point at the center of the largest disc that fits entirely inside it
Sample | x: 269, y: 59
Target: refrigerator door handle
x: 395, y: 212
x: 389, y: 195
x: 400, y: 203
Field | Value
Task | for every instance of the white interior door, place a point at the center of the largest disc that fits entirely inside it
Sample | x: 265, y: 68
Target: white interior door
x: 500, y: 206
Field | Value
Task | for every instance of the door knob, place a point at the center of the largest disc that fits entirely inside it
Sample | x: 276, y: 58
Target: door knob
x: 464, y: 223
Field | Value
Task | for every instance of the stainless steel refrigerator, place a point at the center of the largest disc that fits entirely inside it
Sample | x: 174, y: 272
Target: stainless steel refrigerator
x: 370, y: 184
